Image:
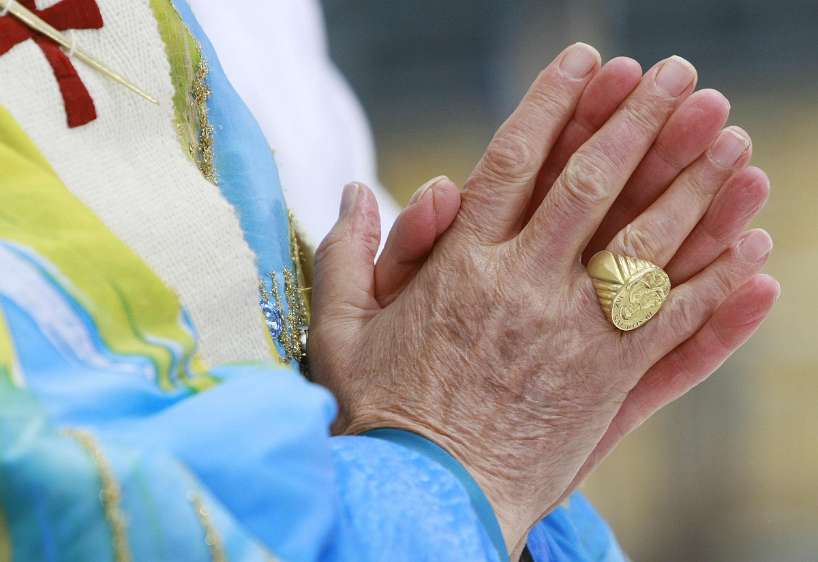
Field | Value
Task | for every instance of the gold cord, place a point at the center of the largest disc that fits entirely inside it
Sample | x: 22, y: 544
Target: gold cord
x: 211, y: 535
x: 110, y: 495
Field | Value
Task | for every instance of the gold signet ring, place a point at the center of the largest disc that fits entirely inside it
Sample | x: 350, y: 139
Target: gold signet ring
x: 630, y: 290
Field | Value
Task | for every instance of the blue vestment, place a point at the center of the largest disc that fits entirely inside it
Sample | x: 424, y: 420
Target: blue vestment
x: 118, y: 442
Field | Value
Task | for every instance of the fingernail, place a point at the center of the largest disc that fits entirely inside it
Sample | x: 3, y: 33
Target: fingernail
x: 729, y: 147
x: 349, y: 197
x: 675, y: 76
x: 425, y: 188
x: 755, y: 246
x: 579, y: 60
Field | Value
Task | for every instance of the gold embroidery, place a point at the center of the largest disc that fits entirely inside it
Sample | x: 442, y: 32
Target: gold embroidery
x: 289, y: 325
x: 110, y: 495
x: 189, y: 72
x: 294, y: 322
x: 211, y: 535
x: 203, y: 152
x: 303, y: 260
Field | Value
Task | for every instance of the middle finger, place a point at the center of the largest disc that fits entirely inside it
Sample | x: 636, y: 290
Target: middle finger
x: 574, y: 208
x: 688, y: 133
x: 657, y: 233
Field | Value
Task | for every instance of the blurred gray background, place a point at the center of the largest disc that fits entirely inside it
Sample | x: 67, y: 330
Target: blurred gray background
x: 729, y: 473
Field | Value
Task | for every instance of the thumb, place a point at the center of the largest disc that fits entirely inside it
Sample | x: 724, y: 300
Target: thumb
x: 429, y: 214
x: 344, y: 261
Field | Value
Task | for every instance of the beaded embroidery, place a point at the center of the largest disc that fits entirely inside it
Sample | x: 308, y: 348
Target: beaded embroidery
x: 289, y: 325
x: 202, y: 152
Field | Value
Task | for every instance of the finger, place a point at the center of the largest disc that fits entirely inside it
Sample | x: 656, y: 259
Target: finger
x: 661, y: 229
x: 690, y: 305
x: 344, y: 261
x: 738, y: 201
x: 430, y: 212
x: 574, y: 208
x: 497, y: 192
x: 729, y: 328
x: 688, y: 133
x: 604, y: 93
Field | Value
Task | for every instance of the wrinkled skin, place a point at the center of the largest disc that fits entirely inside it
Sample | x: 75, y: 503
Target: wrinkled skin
x: 479, y: 327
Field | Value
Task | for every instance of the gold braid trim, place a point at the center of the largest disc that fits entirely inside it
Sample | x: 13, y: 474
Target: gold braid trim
x: 294, y: 321
x: 203, y: 152
x: 211, y: 535
x: 110, y: 495
x: 188, y: 72
x: 303, y: 260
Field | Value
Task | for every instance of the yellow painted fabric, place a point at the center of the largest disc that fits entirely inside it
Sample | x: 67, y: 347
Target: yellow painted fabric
x: 127, y: 301
x: 188, y: 73
x: 7, y: 357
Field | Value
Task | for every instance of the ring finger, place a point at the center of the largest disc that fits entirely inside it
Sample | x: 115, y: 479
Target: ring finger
x: 660, y: 230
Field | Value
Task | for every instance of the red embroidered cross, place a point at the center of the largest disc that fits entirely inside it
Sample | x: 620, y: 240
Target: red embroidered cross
x: 65, y: 15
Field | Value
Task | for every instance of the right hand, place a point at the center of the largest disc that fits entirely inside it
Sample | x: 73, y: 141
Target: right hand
x: 497, y: 349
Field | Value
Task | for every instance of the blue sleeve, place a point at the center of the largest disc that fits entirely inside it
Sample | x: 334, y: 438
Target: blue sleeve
x: 574, y: 532
x: 248, y: 470
x: 244, y: 471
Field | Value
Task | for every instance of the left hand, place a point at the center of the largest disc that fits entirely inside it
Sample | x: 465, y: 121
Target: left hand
x: 689, y: 132
x: 521, y: 382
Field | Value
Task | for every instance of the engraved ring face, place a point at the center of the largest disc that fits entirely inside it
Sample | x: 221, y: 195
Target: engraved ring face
x: 640, y: 299
x: 630, y: 290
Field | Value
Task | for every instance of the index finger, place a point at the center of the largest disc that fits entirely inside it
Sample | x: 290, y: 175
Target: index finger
x: 594, y: 176
x: 498, y: 190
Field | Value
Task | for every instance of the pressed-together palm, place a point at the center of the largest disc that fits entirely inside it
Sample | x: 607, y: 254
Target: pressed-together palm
x: 484, y: 332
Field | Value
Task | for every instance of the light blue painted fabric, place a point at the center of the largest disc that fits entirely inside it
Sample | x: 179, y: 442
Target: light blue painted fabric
x: 247, y: 174
x: 479, y: 501
x: 255, y: 449
x: 246, y: 169
x: 574, y: 532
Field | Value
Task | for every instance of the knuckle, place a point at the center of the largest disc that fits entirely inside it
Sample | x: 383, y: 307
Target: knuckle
x: 641, y: 116
x: 507, y: 159
x: 370, y: 238
x: 546, y: 98
x: 687, y: 311
x: 716, y: 234
x: 721, y: 338
x: 585, y: 181
x: 667, y: 155
x: 328, y: 247
x: 722, y: 282
x: 633, y: 241
x: 586, y: 299
x: 701, y: 188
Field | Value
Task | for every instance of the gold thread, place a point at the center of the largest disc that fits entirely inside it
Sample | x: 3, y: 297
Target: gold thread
x: 199, y: 94
x: 211, y: 535
x: 303, y: 259
x: 110, y: 494
x: 294, y: 321
x: 189, y: 73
